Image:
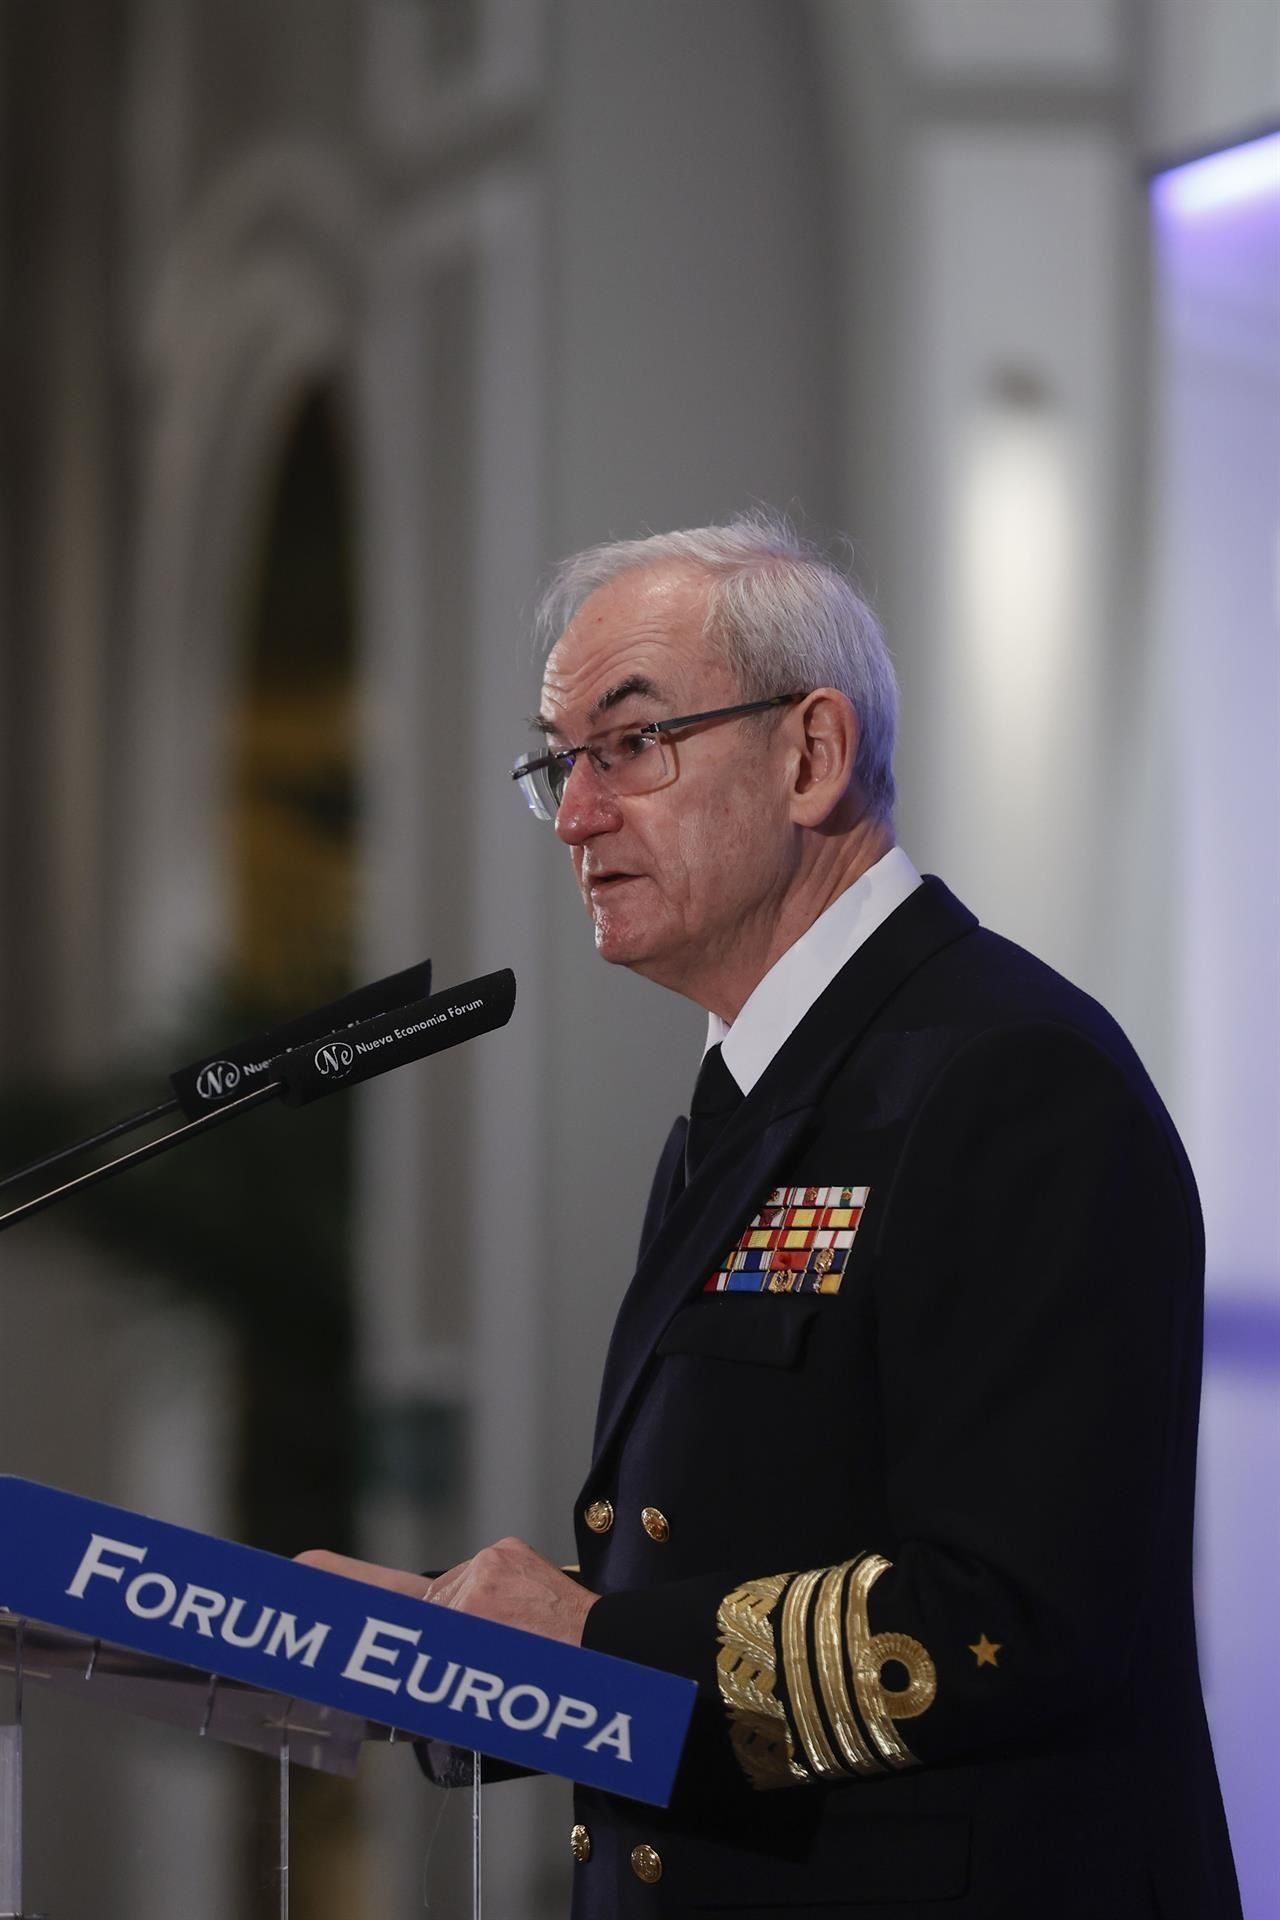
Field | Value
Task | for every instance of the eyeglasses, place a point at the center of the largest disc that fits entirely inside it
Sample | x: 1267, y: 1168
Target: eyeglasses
x: 627, y: 759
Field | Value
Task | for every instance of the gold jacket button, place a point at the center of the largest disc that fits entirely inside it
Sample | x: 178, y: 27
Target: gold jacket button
x: 646, y: 1864
x: 580, y: 1844
x: 599, y: 1516
x: 655, y: 1523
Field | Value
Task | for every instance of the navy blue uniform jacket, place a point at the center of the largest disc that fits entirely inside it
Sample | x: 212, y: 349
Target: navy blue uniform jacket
x: 924, y: 1542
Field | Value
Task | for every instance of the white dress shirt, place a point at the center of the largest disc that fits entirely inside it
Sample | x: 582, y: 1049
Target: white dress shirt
x: 792, y: 984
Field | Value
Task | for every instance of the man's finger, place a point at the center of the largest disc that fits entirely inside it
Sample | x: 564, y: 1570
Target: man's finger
x: 444, y: 1589
x: 393, y: 1579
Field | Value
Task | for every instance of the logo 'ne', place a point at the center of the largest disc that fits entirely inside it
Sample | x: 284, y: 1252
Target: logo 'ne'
x: 218, y: 1079
x: 334, y: 1057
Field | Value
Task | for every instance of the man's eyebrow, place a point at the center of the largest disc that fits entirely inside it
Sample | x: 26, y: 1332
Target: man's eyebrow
x: 636, y: 685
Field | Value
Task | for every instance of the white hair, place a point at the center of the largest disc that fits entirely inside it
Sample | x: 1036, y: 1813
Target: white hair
x: 785, y: 618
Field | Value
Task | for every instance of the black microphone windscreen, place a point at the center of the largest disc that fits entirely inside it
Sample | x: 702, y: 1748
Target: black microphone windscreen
x: 395, y: 1039
x: 237, y: 1069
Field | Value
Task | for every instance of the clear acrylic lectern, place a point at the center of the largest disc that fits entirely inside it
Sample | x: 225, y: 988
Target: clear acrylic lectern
x: 281, y: 1727
x: 235, y: 1645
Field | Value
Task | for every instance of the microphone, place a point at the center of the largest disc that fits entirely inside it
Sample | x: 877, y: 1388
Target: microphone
x: 217, y: 1077
x: 337, y: 1060
x: 395, y: 1039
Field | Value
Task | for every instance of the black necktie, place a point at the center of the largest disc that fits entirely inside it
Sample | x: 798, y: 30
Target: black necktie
x: 716, y: 1097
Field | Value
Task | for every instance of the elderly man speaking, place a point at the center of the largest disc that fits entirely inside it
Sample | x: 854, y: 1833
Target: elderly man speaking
x: 895, y: 1452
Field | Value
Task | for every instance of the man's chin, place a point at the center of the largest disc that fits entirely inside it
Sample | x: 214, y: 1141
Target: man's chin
x: 617, y: 947
x: 621, y: 943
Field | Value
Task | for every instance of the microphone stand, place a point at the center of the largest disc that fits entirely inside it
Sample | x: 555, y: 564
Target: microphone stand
x: 147, y: 1151
x: 131, y: 1125
x: 306, y: 1072
x: 364, y: 1003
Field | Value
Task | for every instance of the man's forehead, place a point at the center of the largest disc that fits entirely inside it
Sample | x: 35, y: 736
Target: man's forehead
x: 641, y: 635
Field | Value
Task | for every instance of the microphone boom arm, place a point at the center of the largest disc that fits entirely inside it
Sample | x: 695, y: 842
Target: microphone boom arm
x: 147, y: 1151
x: 330, y: 1064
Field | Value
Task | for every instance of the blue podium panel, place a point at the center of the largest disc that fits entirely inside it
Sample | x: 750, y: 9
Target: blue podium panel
x: 107, y: 1574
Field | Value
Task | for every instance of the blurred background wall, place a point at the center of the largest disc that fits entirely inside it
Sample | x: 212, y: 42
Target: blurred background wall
x: 325, y: 325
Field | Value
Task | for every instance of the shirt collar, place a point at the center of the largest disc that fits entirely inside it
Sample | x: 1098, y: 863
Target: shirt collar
x: 780, y: 1001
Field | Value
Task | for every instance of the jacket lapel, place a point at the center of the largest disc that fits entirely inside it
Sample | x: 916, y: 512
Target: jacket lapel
x: 668, y: 1183
x: 683, y: 1252
x: 726, y: 1189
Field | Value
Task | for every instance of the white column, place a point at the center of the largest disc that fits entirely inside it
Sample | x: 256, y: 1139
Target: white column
x: 454, y: 1250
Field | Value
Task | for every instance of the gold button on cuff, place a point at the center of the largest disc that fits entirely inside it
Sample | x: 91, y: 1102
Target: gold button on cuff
x: 599, y: 1516
x: 646, y: 1864
x: 580, y: 1844
x: 655, y: 1523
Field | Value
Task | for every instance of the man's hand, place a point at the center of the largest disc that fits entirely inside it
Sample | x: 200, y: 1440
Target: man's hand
x: 507, y: 1582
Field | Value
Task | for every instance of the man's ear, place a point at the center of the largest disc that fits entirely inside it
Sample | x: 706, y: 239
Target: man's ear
x: 824, y: 728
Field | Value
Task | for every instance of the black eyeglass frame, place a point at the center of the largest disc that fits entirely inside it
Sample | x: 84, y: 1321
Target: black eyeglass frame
x: 650, y: 729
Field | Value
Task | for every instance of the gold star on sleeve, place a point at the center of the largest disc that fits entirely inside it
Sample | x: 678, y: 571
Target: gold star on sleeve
x: 986, y: 1650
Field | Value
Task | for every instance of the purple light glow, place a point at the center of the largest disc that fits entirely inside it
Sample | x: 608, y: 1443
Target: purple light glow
x: 1224, y: 179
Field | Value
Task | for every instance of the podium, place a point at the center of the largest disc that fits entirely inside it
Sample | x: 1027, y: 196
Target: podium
x: 229, y: 1643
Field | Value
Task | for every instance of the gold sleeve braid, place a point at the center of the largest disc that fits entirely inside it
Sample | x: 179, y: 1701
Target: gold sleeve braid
x: 746, y: 1668
x: 832, y: 1714
x: 869, y: 1653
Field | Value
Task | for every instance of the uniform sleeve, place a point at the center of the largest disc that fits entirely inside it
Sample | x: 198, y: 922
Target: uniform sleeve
x: 1036, y: 1281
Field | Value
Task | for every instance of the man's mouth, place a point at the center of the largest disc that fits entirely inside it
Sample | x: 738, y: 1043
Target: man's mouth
x: 603, y: 883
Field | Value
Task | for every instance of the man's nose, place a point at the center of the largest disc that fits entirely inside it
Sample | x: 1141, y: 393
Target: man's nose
x: 587, y: 807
